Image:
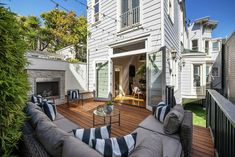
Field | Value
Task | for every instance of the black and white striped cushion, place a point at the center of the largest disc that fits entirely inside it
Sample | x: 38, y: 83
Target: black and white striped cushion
x: 34, y: 99
x: 161, y: 111
x: 49, y: 109
x: 87, y: 135
x: 73, y: 94
x: 115, y: 147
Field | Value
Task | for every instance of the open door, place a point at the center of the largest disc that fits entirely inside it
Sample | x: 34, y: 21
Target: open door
x: 102, y: 80
x: 156, y: 78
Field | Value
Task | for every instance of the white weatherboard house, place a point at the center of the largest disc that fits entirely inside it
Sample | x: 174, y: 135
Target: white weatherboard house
x: 201, y: 60
x: 128, y: 35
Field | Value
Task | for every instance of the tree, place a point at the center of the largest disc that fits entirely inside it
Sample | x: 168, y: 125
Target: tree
x: 30, y: 27
x: 13, y: 82
x: 66, y: 29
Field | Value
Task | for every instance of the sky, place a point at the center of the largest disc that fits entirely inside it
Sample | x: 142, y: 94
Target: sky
x: 222, y: 11
x: 36, y: 7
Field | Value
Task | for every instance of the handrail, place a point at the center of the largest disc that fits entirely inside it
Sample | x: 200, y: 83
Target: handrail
x: 220, y: 118
x: 225, y: 105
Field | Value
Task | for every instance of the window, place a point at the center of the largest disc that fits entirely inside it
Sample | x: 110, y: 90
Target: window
x: 215, y: 46
x: 215, y: 72
x: 196, y: 75
x: 207, y: 47
x: 208, y: 67
x: 130, y: 13
x: 195, y: 45
x: 170, y: 10
x: 96, y: 11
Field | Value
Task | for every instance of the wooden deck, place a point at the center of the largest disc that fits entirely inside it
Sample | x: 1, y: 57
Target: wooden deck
x: 130, y: 118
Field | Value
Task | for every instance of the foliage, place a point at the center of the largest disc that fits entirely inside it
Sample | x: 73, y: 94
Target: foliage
x: 30, y: 27
x: 141, y: 70
x: 199, y: 115
x: 66, y: 29
x: 71, y: 60
x: 13, y: 82
x: 110, y: 103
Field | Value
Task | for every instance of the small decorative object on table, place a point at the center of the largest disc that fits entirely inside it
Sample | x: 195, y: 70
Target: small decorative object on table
x: 109, y: 106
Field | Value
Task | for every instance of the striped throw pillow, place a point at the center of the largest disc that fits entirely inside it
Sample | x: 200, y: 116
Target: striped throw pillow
x: 87, y: 135
x: 73, y: 94
x: 49, y: 109
x: 116, y: 147
x: 161, y: 111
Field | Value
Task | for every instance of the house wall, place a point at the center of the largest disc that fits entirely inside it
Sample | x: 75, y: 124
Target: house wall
x: 107, y: 32
x: 67, y: 52
x: 173, y: 34
x: 229, y: 77
x: 188, y: 90
x: 75, y: 74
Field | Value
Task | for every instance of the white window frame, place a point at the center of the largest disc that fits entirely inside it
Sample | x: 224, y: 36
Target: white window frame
x: 98, y: 13
x: 197, y: 44
x: 200, y: 74
x: 209, y: 66
x: 170, y: 10
x: 215, y: 48
x: 208, y: 50
x: 130, y: 26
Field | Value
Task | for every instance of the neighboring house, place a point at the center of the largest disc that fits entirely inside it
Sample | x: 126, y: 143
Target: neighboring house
x: 229, y: 68
x: 201, y: 60
x: 69, y: 52
x: 126, y: 34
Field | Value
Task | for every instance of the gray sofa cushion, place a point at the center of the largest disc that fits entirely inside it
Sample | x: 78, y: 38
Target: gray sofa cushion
x: 37, y: 116
x: 58, y: 116
x: 173, y: 120
x: 66, y: 125
x: 31, y: 106
x: 149, y: 146
x: 51, y: 137
x: 152, y: 124
x: 75, y: 148
x: 171, y: 147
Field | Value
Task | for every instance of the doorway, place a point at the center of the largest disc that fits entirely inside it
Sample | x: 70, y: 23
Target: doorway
x: 129, y: 80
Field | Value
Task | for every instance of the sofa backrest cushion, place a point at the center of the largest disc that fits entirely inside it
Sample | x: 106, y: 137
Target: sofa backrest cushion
x: 35, y: 114
x: 173, y: 120
x: 73, y: 147
x: 51, y: 137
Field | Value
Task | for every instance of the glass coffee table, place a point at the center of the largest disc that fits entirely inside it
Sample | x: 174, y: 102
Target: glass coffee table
x: 102, y: 112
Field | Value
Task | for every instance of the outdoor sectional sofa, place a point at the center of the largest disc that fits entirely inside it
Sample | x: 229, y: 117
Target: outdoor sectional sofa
x: 44, y: 138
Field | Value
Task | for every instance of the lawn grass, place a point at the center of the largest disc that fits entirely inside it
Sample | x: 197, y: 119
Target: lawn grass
x: 199, y: 115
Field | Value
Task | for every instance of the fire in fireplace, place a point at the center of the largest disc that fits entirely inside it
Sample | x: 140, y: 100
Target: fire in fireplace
x: 48, y: 87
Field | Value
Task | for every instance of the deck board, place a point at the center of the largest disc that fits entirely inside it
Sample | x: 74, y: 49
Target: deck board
x: 130, y: 118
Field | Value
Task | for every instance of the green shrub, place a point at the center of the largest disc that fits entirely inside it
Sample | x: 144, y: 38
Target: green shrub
x: 72, y: 60
x: 13, y: 82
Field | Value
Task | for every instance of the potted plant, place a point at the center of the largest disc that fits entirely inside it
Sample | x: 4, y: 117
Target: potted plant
x: 110, y: 106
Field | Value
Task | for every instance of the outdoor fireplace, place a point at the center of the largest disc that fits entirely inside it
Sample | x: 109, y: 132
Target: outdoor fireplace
x: 48, y: 87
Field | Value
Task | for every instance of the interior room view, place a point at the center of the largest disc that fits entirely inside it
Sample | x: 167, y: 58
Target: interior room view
x: 129, y: 80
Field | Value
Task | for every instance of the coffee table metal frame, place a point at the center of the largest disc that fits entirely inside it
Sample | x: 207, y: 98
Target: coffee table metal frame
x: 106, y: 115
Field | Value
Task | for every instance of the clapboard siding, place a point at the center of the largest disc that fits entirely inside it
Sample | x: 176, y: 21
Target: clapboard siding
x: 99, y: 40
x: 172, y: 41
x: 230, y: 68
